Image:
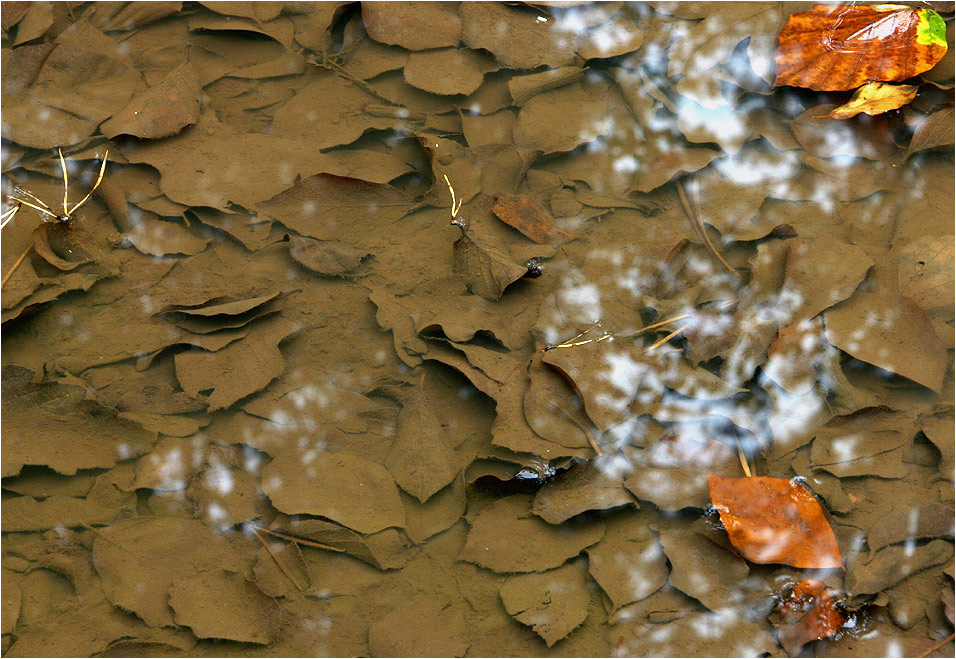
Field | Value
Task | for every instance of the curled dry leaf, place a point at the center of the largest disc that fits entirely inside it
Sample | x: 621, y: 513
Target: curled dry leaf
x: 875, y: 98
x: 807, y: 615
x: 838, y: 48
x: 774, y: 520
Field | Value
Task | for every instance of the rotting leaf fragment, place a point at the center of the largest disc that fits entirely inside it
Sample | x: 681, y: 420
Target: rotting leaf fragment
x: 808, y: 614
x: 774, y: 520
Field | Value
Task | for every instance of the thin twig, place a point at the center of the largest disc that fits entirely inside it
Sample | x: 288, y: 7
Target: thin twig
x: 8, y: 215
x: 66, y: 185
x: 454, y: 208
x: 16, y: 265
x: 582, y: 428
x: 743, y: 459
x: 301, y: 541
x: 700, y: 226
x: 570, y: 343
x: 275, y: 557
x: 661, y: 323
x: 99, y: 180
x: 937, y: 646
x: 670, y: 336
x: 47, y: 209
x: 33, y: 206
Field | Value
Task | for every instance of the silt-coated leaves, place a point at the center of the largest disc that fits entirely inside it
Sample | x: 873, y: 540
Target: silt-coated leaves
x: 421, y: 459
x: 838, y: 48
x: 774, y: 520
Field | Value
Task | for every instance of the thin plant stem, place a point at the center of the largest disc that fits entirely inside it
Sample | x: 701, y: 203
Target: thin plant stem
x: 743, y: 459
x: 937, y: 646
x: 700, y: 226
x: 275, y: 557
x: 8, y: 215
x: 19, y: 190
x: 301, y: 541
x: 660, y: 342
x: 66, y: 185
x: 34, y: 206
x: 99, y: 179
x: 587, y: 433
x: 16, y: 265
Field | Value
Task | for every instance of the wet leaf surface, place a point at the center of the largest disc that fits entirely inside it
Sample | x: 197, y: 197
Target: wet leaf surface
x: 875, y: 98
x: 872, y: 43
x: 167, y: 549
x: 808, y: 614
x: 423, y: 626
x: 259, y: 400
x: 773, y: 520
x: 222, y: 605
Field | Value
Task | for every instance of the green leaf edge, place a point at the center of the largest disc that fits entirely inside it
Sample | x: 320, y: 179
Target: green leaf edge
x: 931, y: 29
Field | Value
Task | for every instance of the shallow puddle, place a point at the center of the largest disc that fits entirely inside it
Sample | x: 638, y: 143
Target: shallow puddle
x: 479, y: 329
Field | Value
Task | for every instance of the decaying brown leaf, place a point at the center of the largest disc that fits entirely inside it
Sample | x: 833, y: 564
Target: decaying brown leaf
x: 506, y: 537
x: 326, y: 257
x: 352, y: 491
x: 421, y: 460
x: 892, y: 333
x: 552, y: 603
x: 424, y: 626
x: 223, y: 605
x: 775, y: 520
x: 525, y: 214
x: 412, y: 25
x: 160, y: 111
x: 834, y: 48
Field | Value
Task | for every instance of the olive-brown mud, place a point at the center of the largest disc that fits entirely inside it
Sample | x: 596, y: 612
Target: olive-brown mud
x: 272, y: 392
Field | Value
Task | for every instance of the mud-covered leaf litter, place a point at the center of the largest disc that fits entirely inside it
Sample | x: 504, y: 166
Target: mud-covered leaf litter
x: 440, y: 329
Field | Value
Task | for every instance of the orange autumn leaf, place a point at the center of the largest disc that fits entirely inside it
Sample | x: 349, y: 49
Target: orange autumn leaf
x: 523, y: 213
x: 774, y: 520
x: 835, y: 48
x: 809, y: 614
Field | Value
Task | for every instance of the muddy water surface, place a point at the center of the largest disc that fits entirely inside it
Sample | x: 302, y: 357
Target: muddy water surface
x: 416, y: 329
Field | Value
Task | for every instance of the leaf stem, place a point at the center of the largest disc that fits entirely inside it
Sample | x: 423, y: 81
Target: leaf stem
x: 16, y: 265
x: 699, y: 225
x: 275, y: 557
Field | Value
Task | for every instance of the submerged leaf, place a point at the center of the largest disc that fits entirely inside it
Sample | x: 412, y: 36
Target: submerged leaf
x: 838, y: 48
x: 807, y: 615
x: 892, y: 333
x: 551, y: 603
x: 523, y: 213
x: 875, y: 98
x: 774, y: 520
